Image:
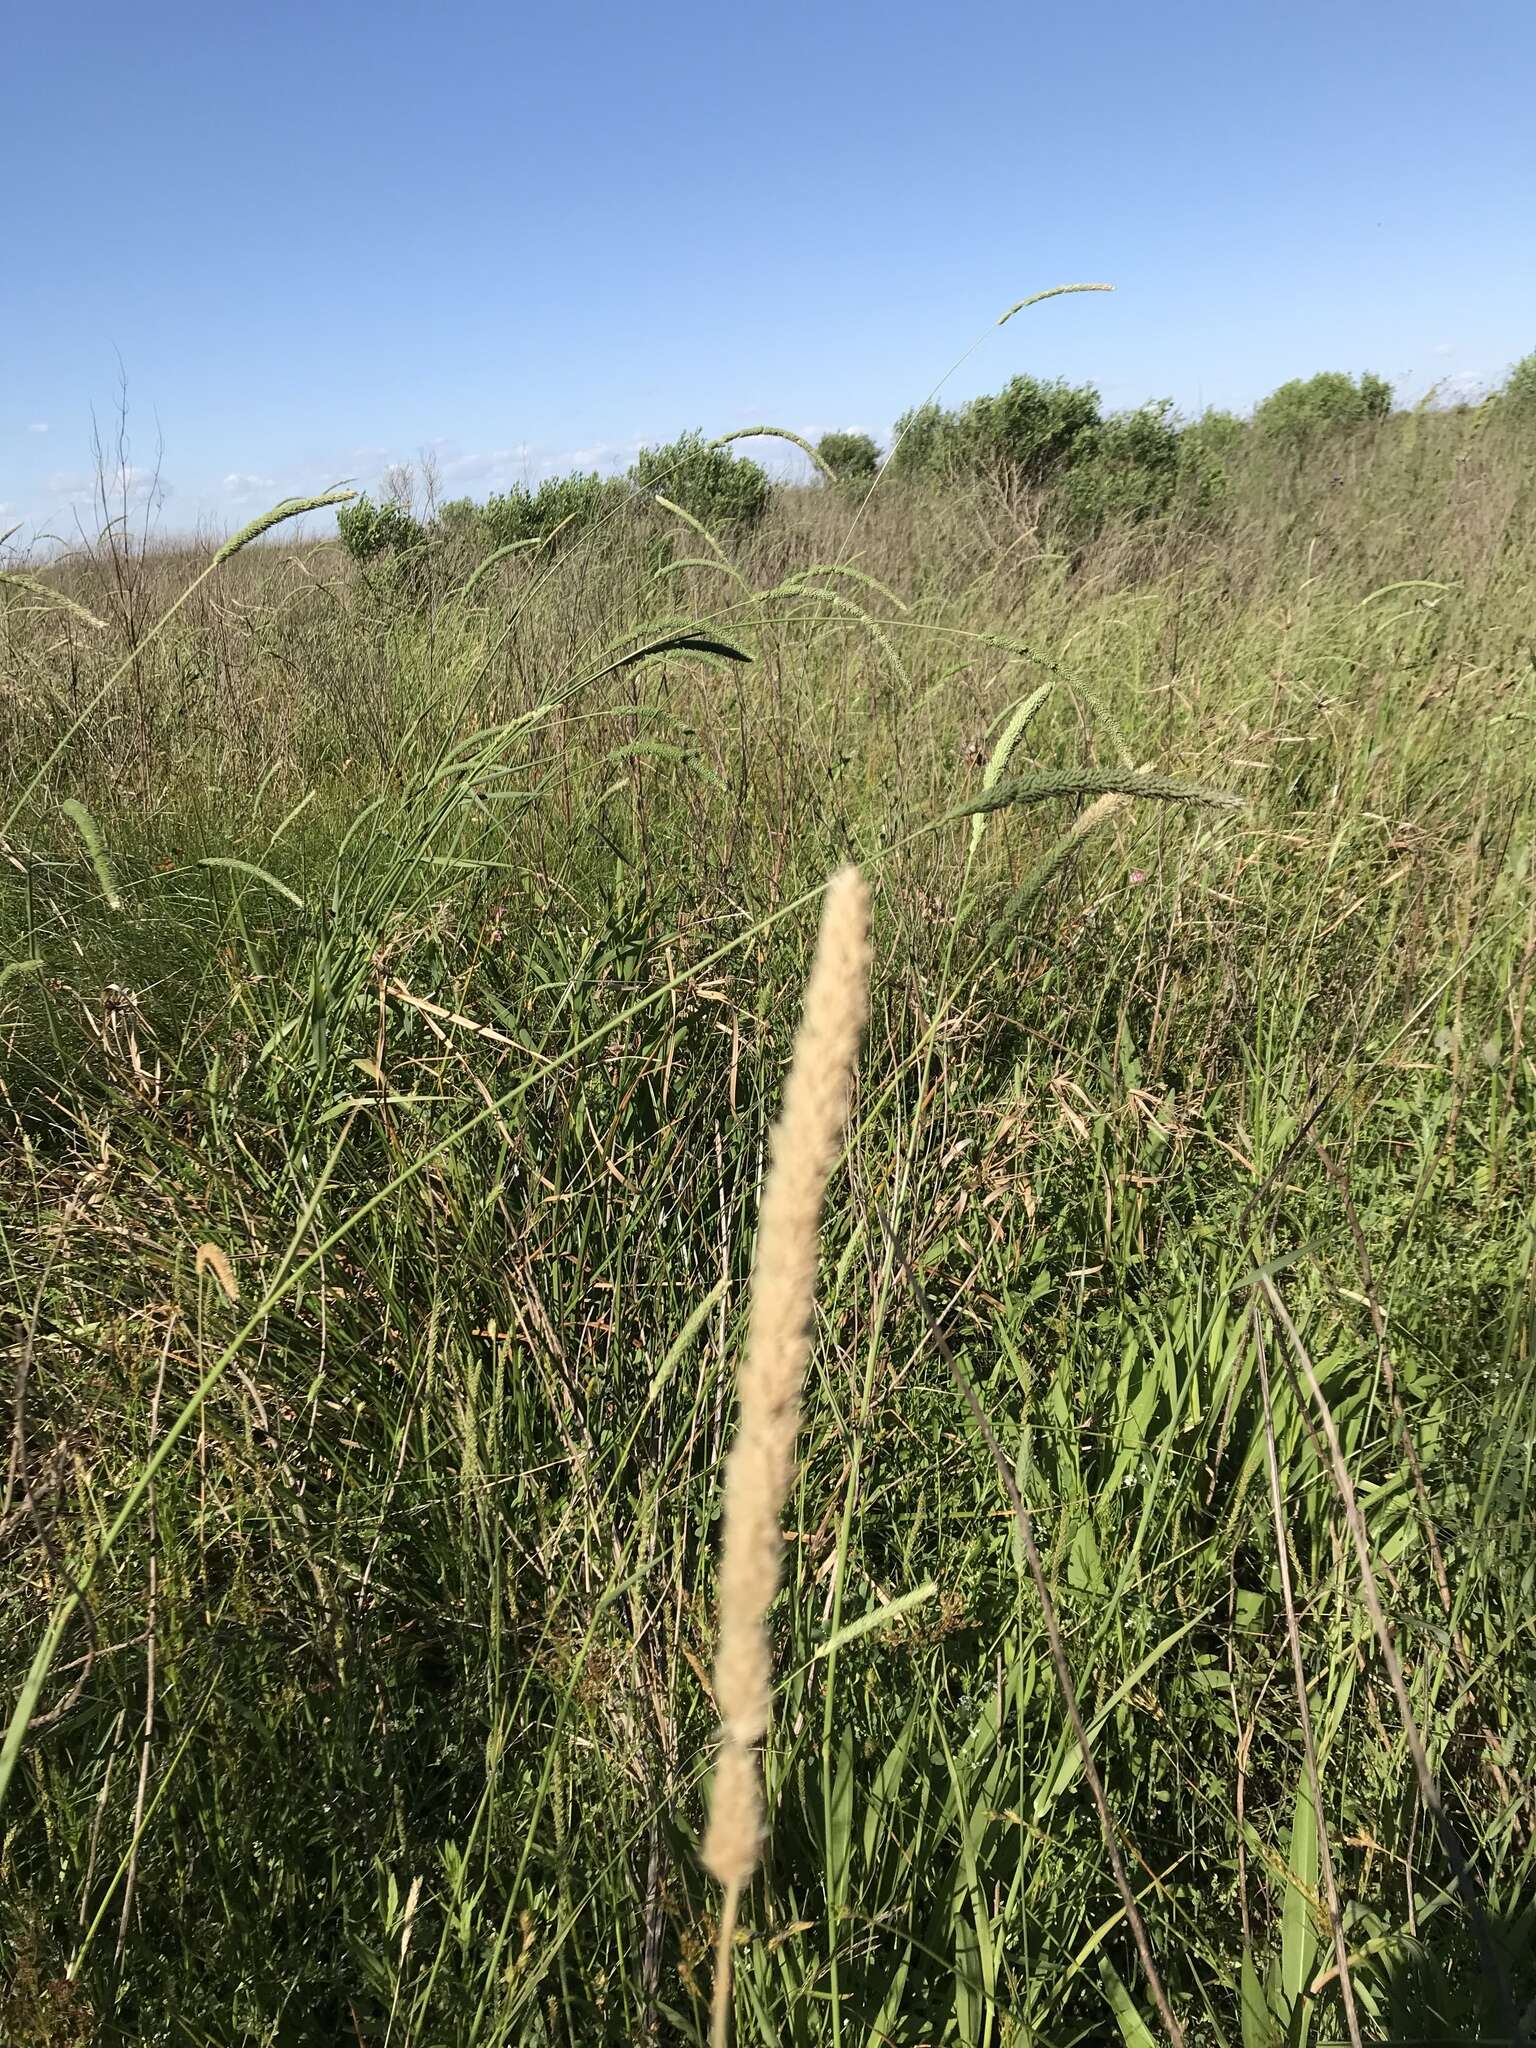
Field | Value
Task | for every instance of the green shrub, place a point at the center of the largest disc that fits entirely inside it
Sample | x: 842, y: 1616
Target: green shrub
x: 1030, y: 430
x: 1128, y: 471
x: 1309, y: 406
x: 1127, y: 466
x: 927, y: 445
x: 718, y: 488
x: 1039, y: 429
x: 574, y: 501
x: 1215, y: 434
x: 368, y: 530
x: 459, y: 519
x: 852, y: 458
x: 1209, y: 449
x: 1518, y: 392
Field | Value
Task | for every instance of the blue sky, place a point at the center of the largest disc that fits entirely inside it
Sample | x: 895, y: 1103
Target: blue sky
x: 319, y: 239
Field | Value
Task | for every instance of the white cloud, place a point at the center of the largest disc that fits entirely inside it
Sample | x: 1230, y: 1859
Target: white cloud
x: 240, y: 484
x: 355, y: 462
x: 1443, y: 348
x: 493, y: 467
x: 608, y: 457
x: 459, y: 471
x: 77, y: 494
x: 38, y: 427
x: 481, y: 470
x: 138, y: 486
x: 74, y: 483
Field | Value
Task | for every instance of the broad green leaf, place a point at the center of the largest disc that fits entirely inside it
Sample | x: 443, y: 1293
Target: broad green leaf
x: 840, y: 1821
x: 1298, y: 1921
x: 1134, y: 2030
x: 1260, y: 2027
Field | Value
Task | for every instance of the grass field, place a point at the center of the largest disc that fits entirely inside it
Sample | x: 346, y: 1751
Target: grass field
x: 395, y: 988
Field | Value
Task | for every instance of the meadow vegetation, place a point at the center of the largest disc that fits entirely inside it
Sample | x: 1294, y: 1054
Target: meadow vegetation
x: 400, y: 947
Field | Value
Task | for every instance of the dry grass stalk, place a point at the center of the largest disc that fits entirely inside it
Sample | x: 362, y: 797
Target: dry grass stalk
x: 803, y: 1150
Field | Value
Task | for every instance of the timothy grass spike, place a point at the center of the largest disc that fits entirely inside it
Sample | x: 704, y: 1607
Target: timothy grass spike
x: 803, y: 1151
x: 95, y: 846
x: 818, y: 460
x: 37, y: 588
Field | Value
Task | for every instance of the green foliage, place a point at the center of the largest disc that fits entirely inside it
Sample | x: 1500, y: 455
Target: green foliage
x: 852, y: 458
x: 459, y: 519
x: 1216, y: 435
x: 1130, y: 470
x: 572, y: 503
x: 1308, y: 407
x: 1518, y: 393
x: 456, y: 965
x: 1029, y: 430
x: 1210, y: 449
x: 926, y: 445
x: 1038, y: 429
x: 720, y: 489
x: 369, y: 531
x: 1121, y: 467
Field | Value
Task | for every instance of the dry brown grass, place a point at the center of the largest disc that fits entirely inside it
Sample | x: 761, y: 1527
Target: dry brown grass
x: 804, y: 1149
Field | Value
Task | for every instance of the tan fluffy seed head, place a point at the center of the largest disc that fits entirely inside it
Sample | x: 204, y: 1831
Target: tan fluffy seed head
x: 802, y: 1152
x: 735, y: 1816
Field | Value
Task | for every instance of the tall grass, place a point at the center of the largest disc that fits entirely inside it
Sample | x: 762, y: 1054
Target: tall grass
x: 761, y: 1466
x: 387, y: 1076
